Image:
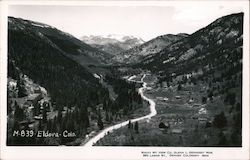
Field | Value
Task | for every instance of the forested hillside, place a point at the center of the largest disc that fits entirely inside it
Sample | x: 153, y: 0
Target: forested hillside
x: 48, y: 91
x: 61, y: 41
x: 211, y: 59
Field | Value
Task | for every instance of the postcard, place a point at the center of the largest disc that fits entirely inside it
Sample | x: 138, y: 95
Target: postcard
x: 125, y: 80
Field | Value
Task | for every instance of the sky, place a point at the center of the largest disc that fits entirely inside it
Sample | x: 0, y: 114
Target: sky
x: 146, y: 22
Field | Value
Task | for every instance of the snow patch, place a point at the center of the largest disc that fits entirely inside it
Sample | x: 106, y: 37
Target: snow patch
x: 91, y: 39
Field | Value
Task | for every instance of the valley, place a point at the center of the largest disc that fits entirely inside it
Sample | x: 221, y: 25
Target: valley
x: 173, y: 90
x: 183, y: 118
x: 93, y: 140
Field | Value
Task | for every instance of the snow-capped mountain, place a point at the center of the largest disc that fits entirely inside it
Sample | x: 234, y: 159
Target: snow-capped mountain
x: 112, y: 43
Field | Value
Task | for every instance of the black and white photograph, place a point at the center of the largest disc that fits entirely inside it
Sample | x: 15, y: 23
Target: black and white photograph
x: 126, y: 76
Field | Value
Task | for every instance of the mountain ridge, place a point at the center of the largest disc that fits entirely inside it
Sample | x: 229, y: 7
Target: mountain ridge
x: 75, y: 49
x: 112, y: 43
x: 148, y: 48
x: 205, y: 37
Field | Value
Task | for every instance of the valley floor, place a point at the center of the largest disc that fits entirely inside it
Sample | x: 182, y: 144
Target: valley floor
x: 182, y: 120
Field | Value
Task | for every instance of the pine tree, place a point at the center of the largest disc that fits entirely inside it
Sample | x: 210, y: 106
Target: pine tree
x: 179, y: 87
x: 238, y: 107
x: 40, y: 125
x: 220, y: 120
x: 100, y: 123
x: 222, y: 139
x: 18, y: 114
x: 232, y: 99
x: 21, y: 88
x: 49, y: 125
x: 86, y: 120
x: 107, y: 116
x: 204, y: 100
x: 136, y: 127
x: 59, y: 115
x: 210, y: 95
x: 236, y: 137
x: 44, y: 115
x: 129, y: 124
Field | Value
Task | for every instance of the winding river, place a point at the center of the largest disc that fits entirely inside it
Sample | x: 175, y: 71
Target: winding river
x: 110, y: 129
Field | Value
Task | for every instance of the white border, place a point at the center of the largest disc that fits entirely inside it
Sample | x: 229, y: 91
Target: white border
x: 114, y: 153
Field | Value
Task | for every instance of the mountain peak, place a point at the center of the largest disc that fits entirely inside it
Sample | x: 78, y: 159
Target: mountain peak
x: 112, y: 43
x: 112, y: 37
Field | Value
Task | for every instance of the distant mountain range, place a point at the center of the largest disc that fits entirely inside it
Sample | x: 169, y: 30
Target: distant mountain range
x: 112, y: 43
x: 157, y: 54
